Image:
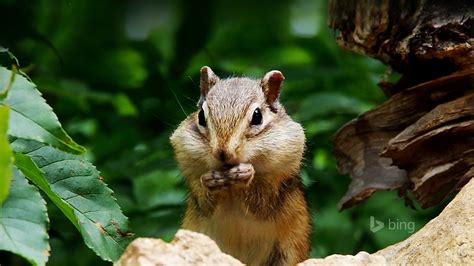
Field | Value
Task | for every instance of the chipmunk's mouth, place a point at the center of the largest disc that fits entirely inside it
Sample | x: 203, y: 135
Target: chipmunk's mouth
x: 228, y: 166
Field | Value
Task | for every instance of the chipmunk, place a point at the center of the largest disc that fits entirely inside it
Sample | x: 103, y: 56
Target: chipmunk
x: 240, y: 154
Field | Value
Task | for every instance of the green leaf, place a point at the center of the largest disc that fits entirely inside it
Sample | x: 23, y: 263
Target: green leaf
x: 23, y: 222
x: 124, y: 105
x: 158, y: 187
x: 320, y: 159
x: 329, y: 103
x: 126, y: 68
x: 80, y: 187
x: 35, y: 175
x: 7, y: 84
x: 31, y: 117
x: 6, y: 156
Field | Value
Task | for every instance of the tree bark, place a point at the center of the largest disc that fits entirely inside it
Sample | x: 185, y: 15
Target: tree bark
x: 422, y: 138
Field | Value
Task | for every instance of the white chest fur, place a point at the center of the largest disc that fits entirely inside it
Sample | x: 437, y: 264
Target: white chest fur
x: 239, y: 233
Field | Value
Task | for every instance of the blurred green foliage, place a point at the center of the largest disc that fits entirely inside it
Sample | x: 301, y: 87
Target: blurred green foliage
x: 121, y: 75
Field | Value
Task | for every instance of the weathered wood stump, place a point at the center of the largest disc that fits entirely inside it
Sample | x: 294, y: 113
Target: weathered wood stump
x: 422, y: 138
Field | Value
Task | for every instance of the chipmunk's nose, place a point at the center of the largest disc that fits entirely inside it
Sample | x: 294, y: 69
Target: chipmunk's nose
x: 225, y: 156
x: 222, y: 155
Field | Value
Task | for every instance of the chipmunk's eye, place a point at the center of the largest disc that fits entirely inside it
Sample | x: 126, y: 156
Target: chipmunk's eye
x: 256, y: 117
x: 202, y: 118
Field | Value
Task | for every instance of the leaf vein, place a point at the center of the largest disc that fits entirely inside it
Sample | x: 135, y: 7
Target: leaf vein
x: 72, y: 146
x: 82, y: 195
x: 66, y: 178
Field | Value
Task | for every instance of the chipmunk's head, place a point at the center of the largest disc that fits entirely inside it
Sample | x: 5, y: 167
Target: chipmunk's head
x: 234, y: 111
x: 240, y: 120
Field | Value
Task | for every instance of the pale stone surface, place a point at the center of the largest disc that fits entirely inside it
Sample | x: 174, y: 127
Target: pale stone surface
x: 187, y: 248
x: 447, y: 240
x: 360, y: 259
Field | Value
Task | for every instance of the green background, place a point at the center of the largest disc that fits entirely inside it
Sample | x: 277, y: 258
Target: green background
x: 121, y: 75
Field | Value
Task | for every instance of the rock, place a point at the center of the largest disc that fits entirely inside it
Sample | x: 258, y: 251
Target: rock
x: 361, y: 258
x: 447, y: 239
x: 187, y: 248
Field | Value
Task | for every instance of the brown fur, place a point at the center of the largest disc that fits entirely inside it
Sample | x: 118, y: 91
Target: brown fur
x: 245, y: 192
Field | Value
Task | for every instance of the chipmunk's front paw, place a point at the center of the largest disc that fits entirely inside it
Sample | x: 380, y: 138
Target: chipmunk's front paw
x: 214, y: 180
x: 241, y: 174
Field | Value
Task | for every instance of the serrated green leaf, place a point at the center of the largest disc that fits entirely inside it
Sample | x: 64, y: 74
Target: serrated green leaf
x: 35, y: 175
x: 23, y: 222
x: 79, y: 185
x: 6, y: 86
x: 6, y: 155
x: 31, y: 117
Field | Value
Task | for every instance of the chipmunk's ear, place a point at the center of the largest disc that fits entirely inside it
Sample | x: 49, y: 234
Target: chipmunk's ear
x: 208, y: 79
x: 271, y: 84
